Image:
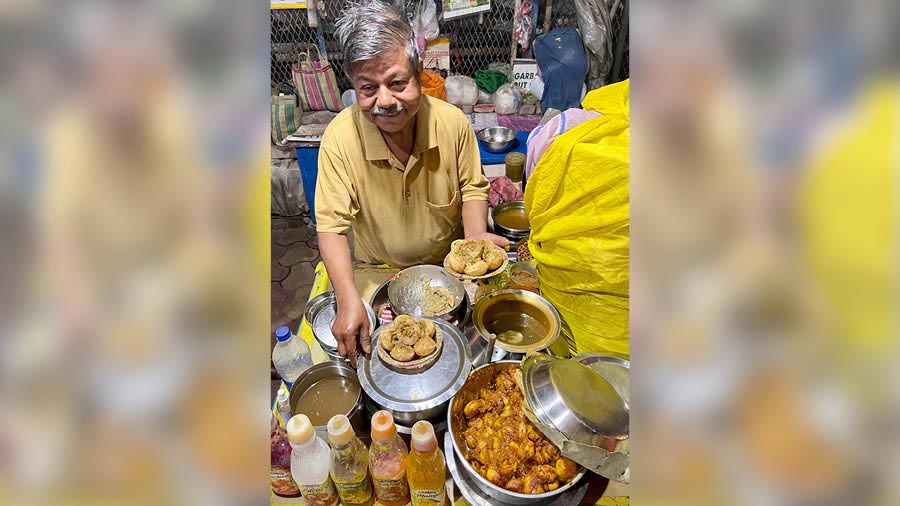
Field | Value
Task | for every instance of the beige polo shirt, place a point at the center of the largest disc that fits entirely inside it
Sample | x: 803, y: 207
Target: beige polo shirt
x: 400, y: 215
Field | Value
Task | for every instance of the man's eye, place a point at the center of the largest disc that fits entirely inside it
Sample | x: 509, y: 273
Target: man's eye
x: 398, y: 84
x: 368, y: 88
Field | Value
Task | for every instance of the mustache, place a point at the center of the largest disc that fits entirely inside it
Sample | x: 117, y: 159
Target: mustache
x: 381, y: 111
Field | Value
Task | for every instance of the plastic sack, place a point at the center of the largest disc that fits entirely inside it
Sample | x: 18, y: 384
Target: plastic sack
x: 425, y: 24
x: 579, y: 237
x: 594, y: 23
x: 461, y: 90
x: 507, y: 99
x: 485, y: 97
x: 561, y: 58
x: 433, y: 85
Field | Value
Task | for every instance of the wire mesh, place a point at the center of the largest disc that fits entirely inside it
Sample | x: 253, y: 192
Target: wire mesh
x: 475, y: 41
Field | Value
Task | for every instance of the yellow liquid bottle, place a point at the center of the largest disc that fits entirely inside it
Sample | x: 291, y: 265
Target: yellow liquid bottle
x: 349, y: 464
x: 426, y: 471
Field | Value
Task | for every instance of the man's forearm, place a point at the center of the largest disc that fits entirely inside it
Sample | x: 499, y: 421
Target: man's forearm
x: 474, y: 215
x: 335, y: 252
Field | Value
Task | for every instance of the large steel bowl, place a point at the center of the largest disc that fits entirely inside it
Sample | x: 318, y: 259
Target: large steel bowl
x: 407, y: 296
x: 501, y: 214
x: 496, y: 139
x: 456, y: 424
x: 514, y: 309
x: 324, y: 370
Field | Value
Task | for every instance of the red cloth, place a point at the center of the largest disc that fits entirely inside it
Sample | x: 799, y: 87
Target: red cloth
x: 503, y: 190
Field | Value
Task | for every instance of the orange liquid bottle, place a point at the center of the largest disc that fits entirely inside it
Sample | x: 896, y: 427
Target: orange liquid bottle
x: 387, y: 461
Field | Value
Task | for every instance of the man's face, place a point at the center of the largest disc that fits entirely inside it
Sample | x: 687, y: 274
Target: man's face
x: 388, y: 89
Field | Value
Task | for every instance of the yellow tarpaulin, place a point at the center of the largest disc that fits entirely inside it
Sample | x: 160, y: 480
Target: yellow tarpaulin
x: 577, y: 204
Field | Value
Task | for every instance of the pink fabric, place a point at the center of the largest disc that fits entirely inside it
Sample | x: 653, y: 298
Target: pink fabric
x: 541, y: 137
x: 503, y: 190
x: 519, y: 122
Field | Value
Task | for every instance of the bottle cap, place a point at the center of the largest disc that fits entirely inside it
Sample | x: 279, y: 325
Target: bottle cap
x: 383, y: 427
x: 423, y: 439
x: 299, y: 429
x: 282, y: 333
x: 282, y: 395
x: 339, y: 430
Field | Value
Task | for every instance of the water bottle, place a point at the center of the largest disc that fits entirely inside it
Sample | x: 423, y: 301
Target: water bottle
x: 291, y: 355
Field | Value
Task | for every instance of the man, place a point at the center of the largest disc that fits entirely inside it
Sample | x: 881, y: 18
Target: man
x: 401, y: 168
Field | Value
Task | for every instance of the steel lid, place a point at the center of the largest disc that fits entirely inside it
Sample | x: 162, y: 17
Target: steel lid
x: 574, y: 398
x: 420, y: 390
x: 321, y: 313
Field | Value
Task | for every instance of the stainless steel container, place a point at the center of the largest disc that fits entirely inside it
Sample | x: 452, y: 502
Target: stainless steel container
x: 407, y: 296
x: 497, y: 139
x: 513, y: 309
x: 456, y: 423
x: 422, y: 395
x: 321, y: 313
x: 322, y: 371
x: 463, y: 313
x: 512, y: 207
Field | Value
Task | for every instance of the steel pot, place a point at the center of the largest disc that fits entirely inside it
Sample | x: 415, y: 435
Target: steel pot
x: 510, y: 208
x: 513, y: 309
x: 455, y: 420
x: 321, y: 313
x: 421, y: 395
x: 322, y: 371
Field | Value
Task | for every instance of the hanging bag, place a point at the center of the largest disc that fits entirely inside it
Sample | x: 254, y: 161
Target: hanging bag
x: 316, y: 83
x: 285, y: 117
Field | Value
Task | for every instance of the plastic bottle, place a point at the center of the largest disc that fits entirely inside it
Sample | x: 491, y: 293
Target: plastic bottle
x: 280, y: 465
x: 349, y: 464
x: 283, y: 406
x: 290, y: 355
x: 310, y: 463
x: 426, y: 471
x: 387, y: 461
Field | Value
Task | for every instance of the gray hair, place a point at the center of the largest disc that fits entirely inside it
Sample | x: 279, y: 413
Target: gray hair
x: 368, y: 28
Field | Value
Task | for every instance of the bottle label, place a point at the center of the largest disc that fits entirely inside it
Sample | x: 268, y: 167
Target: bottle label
x: 355, y: 492
x: 282, y: 482
x: 428, y: 497
x: 322, y: 494
x: 389, y: 490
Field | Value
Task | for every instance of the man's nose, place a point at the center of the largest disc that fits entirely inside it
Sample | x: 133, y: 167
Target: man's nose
x: 384, y: 98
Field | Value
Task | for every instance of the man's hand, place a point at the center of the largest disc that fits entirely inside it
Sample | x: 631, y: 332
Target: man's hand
x: 351, y: 326
x: 485, y: 236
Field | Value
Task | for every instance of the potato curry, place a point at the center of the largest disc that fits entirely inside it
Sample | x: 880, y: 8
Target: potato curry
x: 505, y: 448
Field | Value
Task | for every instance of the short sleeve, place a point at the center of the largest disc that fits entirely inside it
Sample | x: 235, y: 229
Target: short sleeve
x: 472, y: 183
x: 335, y: 208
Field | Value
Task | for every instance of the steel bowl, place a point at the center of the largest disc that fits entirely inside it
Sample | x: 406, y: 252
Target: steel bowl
x: 598, y: 420
x: 324, y: 370
x: 512, y: 207
x: 321, y: 313
x: 406, y: 295
x: 497, y: 139
x: 514, y: 309
x: 456, y: 425
x: 463, y: 313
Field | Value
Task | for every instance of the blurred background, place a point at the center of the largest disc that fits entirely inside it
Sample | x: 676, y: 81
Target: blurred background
x: 764, y: 252
x: 135, y: 252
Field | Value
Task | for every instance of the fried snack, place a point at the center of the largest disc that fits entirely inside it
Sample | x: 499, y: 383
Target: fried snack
x: 388, y: 338
x: 471, y: 250
x: 425, y: 347
x: 406, y: 329
x: 426, y: 327
x: 505, y: 448
x: 402, y: 353
x: 456, y: 261
x: 476, y: 268
x: 494, y: 257
x: 404, y: 319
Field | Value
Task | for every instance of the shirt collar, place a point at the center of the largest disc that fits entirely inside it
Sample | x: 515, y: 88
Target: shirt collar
x: 426, y: 132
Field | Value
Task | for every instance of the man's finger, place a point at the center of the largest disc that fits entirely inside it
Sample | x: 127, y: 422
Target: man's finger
x: 352, y: 357
x: 365, y: 340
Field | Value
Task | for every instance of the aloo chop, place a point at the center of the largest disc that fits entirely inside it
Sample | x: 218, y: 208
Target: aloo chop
x: 409, y: 343
x: 475, y: 259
